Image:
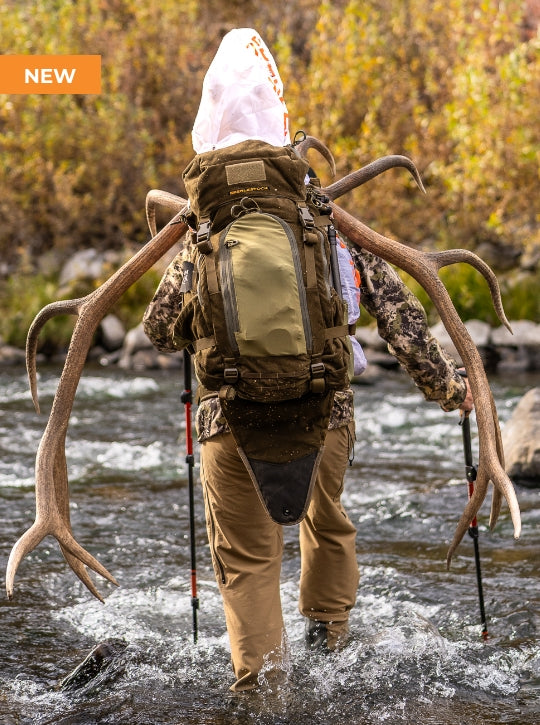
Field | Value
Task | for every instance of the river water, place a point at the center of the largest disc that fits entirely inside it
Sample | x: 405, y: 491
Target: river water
x: 416, y: 656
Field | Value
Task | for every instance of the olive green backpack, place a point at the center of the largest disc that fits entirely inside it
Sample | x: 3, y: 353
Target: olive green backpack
x: 261, y: 311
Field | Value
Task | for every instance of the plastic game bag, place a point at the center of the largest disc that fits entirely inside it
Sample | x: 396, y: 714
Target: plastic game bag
x: 242, y: 96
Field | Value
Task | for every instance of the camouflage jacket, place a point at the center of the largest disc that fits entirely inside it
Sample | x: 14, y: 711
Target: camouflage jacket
x: 401, y: 322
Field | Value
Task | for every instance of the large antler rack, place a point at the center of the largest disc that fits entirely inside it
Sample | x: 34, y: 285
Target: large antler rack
x: 52, y: 494
x: 424, y: 267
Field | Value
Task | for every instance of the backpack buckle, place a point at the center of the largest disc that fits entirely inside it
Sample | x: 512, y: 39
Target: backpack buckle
x: 317, y: 384
x: 227, y: 392
x: 230, y: 375
x: 306, y: 220
x: 203, y: 243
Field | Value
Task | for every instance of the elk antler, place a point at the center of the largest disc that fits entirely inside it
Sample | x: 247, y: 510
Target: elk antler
x: 157, y: 197
x: 52, y: 502
x: 423, y: 267
x: 366, y: 173
x: 310, y: 142
x: 52, y: 495
x: 356, y: 178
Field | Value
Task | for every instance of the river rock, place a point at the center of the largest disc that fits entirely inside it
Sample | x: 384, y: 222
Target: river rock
x: 524, y: 332
x: 101, y: 658
x: 369, y: 337
x: 10, y: 355
x: 86, y: 264
x: 381, y: 359
x: 137, y: 350
x: 111, y: 333
x: 480, y: 333
x: 521, y: 441
x: 138, y: 353
x: 136, y: 339
x: 520, y: 350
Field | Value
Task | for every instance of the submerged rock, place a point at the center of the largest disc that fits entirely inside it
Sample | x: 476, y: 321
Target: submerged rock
x: 99, y: 659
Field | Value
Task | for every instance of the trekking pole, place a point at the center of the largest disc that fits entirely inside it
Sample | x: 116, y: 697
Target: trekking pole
x: 470, y: 472
x: 187, y: 399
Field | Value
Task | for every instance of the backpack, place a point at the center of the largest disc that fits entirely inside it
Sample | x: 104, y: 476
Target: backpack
x: 261, y: 307
x: 262, y: 313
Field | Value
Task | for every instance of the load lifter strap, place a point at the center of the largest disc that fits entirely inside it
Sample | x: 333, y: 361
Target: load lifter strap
x: 310, y: 239
x: 311, y: 269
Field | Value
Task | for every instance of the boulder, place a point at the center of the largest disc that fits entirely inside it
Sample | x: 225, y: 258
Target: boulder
x: 86, y: 264
x: 10, y: 355
x: 135, y: 342
x: 381, y: 359
x: 146, y: 359
x: 138, y: 353
x: 520, y: 351
x: 525, y: 332
x: 480, y: 333
x: 521, y: 441
x: 136, y: 339
x: 111, y: 333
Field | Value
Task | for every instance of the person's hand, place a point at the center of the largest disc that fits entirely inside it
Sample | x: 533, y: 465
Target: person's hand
x: 468, y: 403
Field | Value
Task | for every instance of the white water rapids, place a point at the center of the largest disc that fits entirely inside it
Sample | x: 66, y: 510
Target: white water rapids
x: 416, y: 655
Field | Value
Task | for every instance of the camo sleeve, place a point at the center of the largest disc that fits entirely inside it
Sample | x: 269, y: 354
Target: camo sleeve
x: 163, y: 310
x: 402, y: 323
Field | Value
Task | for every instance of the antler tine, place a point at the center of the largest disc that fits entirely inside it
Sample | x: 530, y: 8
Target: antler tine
x: 49, y: 522
x: 423, y: 267
x: 497, y: 496
x: 469, y: 512
x: 500, y: 482
x: 157, y: 197
x: 310, y: 142
x: 451, y: 256
x: 480, y: 490
x: 67, y: 307
x: 370, y: 171
x: 52, y: 507
x: 61, y: 488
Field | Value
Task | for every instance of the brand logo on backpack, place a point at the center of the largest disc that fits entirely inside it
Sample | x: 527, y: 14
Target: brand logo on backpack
x: 248, y: 190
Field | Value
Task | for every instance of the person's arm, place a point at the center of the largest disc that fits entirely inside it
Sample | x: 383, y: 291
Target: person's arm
x: 402, y: 323
x: 163, y: 310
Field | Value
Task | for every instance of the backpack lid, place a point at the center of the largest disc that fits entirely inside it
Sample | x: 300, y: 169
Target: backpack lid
x: 242, y: 96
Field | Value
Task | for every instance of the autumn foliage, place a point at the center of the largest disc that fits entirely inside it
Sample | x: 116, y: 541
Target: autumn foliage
x: 453, y: 84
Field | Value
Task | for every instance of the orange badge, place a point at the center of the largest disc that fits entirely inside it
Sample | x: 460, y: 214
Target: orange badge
x: 50, y: 74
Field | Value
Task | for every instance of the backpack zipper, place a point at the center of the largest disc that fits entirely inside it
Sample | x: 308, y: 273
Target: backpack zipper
x: 232, y: 321
x: 299, y: 281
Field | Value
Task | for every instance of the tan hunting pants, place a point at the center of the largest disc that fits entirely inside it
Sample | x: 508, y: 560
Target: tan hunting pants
x: 247, y: 545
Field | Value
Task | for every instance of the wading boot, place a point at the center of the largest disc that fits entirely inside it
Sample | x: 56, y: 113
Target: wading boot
x: 316, y: 636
